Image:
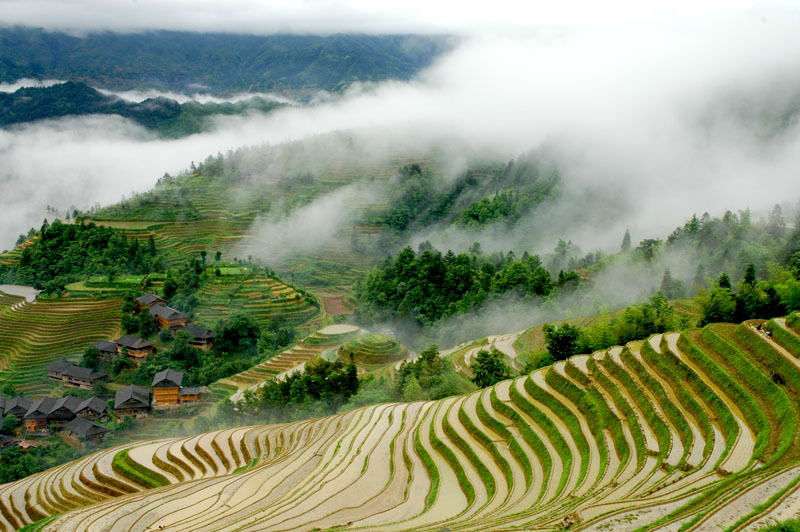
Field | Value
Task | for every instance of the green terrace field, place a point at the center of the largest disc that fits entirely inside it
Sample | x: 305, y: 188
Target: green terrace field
x: 265, y: 298
x: 307, y: 350
x: 34, y: 334
x: 372, y: 352
x: 691, y: 431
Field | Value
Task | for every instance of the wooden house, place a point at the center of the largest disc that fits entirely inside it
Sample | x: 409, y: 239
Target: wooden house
x: 189, y: 394
x: 81, y: 430
x: 166, y: 387
x: 18, y: 406
x: 93, y: 409
x: 138, y: 348
x: 108, y: 350
x: 74, y: 376
x: 150, y: 300
x: 132, y: 401
x: 63, y: 410
x: 36, y: 417
x: 199, y: 337
x: 168, y: 317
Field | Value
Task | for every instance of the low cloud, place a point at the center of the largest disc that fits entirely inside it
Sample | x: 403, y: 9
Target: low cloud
x: 644, y: 120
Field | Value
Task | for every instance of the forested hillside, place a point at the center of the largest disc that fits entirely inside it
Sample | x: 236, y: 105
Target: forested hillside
x: 219, y: 63
x: 165, y: 116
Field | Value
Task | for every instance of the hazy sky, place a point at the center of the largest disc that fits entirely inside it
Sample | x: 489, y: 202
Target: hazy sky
x: 329, y: 16
x: 658, y: 106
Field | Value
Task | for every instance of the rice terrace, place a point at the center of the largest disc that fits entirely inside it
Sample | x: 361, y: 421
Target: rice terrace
x: 405, y: 267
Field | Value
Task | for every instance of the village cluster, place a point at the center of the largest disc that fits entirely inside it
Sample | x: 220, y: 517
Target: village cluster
x: 77, y: 417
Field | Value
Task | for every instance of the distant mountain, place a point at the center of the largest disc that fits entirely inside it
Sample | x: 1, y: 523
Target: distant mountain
x: 215, y: 62
x: 167, y: 117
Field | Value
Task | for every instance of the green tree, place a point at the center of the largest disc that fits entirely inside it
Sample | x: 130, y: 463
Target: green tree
x: 91, y: 357
x: 563, y: 340
x: 10, y: 422
x: 489, y: 368
x: 412, y: 391
x: 718, y: 305
x: 626, y: 241
x: 750, y: 274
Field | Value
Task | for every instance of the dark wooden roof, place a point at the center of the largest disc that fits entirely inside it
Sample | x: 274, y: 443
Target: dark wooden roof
x: 70, y: 403
x: 105, y: 346
x: 149, y: 299
x: 133, y: 342
x: 94, y: 404
x: 84, y: 427
x: 198, y: 333
x: 132, y: 396
x: 168, y: 378
x: 168, y: 313
x: 190, y: 390
x: 40, y: 408
x: 71, y: 370
x: 18, y: 406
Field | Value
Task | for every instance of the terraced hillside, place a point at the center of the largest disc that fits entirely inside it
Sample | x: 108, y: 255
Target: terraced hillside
x: 372, y: 351
x: 293, y: 359
x: 697, y: 431
x: 263, y: 297
x: 34, y: 334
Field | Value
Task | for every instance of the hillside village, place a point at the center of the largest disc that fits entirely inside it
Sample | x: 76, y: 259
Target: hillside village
x: 81, y: 420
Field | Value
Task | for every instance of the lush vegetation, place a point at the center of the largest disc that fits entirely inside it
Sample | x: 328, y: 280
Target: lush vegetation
x: 636, y: 322
x: 427, y: 286
x: 223, y: 63
x: 477, y: 198
x: 63, y: 253
x: 489, y: 368
x: 167, y: 117
x: 18, y: 463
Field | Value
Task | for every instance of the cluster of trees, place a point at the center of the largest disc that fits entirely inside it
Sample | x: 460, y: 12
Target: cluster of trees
x: 636, y: 322
x: 18, y: 463
x: 776, y: 296
x: 428, y: 377
x: 66, y: 253
x: 478, y: 197
x: 427, y: 286
x: 322, y: 388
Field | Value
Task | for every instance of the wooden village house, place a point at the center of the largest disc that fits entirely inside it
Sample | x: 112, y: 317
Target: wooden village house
x: 80, y: 430
x: 74, y: 376
x: 107, y: 350
x: 199, y: 337
x: 132, y: 401
x: 150, y: 300
x: 168, y: 389
x: 137, y: 348
x: 17, y: 406
x: 93, y: 409
x: 168, y: 317
x: 36, y: 417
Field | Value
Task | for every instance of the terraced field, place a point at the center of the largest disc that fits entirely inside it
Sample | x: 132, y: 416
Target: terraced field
x: 372, y: 351
x: 34, y: 334
x: 691, y: 431
x: 291, y: 360
x: 262, y: 297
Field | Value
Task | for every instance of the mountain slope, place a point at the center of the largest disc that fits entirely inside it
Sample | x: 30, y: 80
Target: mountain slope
x: 219, y: 63
x: 689, y: 430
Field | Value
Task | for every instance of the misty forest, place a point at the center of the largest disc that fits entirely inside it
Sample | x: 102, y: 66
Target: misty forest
x: 421, y: 267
